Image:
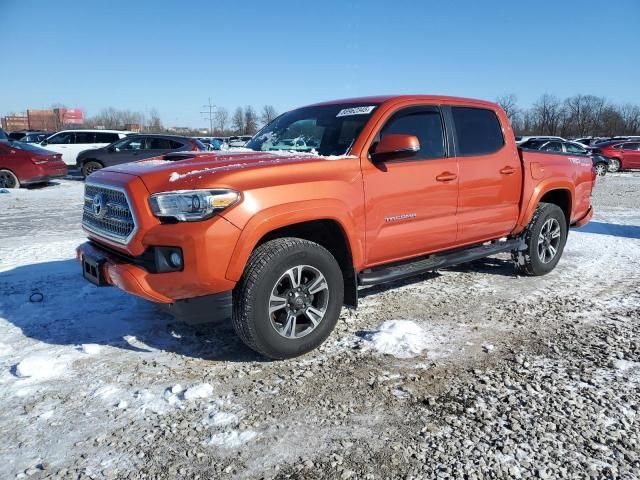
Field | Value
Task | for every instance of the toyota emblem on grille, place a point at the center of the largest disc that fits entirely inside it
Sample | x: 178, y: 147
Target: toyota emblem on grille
x: 99, y: 205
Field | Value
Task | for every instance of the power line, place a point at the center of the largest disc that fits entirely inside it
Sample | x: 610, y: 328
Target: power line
x: 209, y: 114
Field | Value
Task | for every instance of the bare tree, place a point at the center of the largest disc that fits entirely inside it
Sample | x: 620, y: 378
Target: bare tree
x: 269, y: 113
x: 250, y: 120
x: 155, y: 122
x: 631, y: 117
x: 237, y: 122
x: 509, y: 104
x: 548, y: 114
x: 221, y: 120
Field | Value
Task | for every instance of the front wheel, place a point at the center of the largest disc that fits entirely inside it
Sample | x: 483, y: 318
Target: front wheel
x: 545, y: 238
x: 601, y: 169
x: 614, y: 165
x: 90, y: 167
x: 289, y: 298
x: 8, y: 179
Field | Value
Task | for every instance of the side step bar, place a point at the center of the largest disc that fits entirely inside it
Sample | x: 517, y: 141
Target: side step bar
x: 398, y: 271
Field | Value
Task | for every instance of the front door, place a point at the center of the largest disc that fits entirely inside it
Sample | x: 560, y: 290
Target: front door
x: 411, y: 202
x: 631, y: 155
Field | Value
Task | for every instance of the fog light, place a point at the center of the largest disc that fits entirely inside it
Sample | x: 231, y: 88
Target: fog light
x: 175, y: 259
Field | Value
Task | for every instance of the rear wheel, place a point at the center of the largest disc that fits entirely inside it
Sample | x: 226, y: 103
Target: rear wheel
x: 91, y: 166
x: 545, y: 238
x: 288, y: 299
x: 601, y: 169
x: 8, y: 179
x: 614, y: 165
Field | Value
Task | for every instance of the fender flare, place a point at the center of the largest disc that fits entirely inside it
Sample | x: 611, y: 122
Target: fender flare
x: 539, y: 191
x: 288, y: 214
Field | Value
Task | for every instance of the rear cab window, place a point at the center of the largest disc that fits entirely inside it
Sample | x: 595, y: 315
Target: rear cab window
x: 478, y: 131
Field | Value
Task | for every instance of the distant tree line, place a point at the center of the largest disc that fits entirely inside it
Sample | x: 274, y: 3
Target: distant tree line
x: 576, y: 116
x: 244, y: 121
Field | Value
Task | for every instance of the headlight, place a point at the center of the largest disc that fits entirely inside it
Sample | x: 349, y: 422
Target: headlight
x: 192, y: 205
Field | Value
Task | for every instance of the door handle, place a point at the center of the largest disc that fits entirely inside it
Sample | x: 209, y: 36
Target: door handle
x: 508, y: 171
x: 446, y: 177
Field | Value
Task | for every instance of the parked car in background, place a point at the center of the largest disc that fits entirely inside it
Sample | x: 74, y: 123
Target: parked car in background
x: 135, y: 147
x: 526, y: 138
x: 29, y: 136
x: 239, y: 141
x: 622, y: 154
x: 35, y: 137
x: 600, y: 162
x: 70, y: 143
x: 27, y: 164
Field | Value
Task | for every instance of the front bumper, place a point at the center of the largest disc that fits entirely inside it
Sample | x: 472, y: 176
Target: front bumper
x: 116, y: 271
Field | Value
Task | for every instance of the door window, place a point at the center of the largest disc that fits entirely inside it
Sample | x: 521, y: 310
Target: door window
x: 135, y: 143
x: 631, y: 146
x: 478, y: 131
x: 106, y: 137
x: 573, y: 148
x: 552, y: 147
x: 85, y: 137
x: 61, y: 138
x: 159, y: 144
x: 423, y: 122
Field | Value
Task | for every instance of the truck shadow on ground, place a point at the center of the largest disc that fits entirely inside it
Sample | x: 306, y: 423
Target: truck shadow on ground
x: 613, y: 229
x: 50, y: 302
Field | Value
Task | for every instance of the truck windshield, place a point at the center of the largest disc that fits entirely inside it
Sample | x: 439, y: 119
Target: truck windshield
x: 323, y: 129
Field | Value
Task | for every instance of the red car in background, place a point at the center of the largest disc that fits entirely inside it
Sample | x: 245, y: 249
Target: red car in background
x: 26, y: 164
x: 623, y: 154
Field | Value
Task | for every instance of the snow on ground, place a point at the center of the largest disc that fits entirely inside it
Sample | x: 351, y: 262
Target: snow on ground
x: 97, y: 382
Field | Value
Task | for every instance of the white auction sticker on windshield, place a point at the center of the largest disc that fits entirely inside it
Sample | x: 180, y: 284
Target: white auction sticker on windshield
x: 355, y: 111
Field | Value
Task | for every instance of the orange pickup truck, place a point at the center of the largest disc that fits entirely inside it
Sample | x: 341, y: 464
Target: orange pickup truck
x: 325, y: 199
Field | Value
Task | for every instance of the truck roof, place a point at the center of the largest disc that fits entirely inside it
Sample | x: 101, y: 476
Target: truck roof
x: 379, y: 99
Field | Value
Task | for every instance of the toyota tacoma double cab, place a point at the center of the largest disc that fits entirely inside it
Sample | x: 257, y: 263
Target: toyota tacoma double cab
x: 385, y: 188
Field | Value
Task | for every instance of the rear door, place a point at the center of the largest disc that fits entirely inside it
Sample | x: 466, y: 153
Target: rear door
x: 159, y: 146
x: 411, y: 202
x: 126, y: 150
x: 631, y: 155
x: 490, y: 176
x: 83, y: 141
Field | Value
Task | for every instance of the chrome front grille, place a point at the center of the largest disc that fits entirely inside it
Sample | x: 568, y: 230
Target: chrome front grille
x: 107, y: 213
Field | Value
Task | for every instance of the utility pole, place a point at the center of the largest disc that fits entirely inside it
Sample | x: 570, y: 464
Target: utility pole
x: 209, y: 114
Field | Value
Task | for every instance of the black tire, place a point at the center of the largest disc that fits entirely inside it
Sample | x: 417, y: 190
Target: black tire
x: 8, y: 179
x: 91, y: 166
x: 615, y: 165
x: 601, y: 169
x: 266, y: 267
x: 535, y: 260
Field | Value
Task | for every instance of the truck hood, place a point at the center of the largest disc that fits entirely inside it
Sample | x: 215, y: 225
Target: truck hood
x: 192, y: 170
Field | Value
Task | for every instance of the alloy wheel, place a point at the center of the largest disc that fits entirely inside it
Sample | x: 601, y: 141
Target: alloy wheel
x: 549, y: 240
x: 601, y: 170
x: 614, y: 166
x: 298, y: 301
x: 8, y: 179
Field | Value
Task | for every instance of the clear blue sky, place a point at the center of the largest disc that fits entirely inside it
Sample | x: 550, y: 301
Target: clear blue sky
x: 173, y: 55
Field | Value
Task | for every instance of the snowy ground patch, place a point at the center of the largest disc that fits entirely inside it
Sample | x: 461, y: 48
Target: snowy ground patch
x: 399, y: 338
x: 232, y: 438
x: 42, y: 367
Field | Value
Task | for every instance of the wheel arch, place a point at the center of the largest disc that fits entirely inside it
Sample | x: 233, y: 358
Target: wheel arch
x: 330, y: 231
x: 559, y: 193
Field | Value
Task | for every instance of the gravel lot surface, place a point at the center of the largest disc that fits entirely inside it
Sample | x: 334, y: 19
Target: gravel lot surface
x: 483, y: 375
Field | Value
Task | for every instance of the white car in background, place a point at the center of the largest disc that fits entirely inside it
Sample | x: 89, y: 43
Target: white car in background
x: 69, y: 143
